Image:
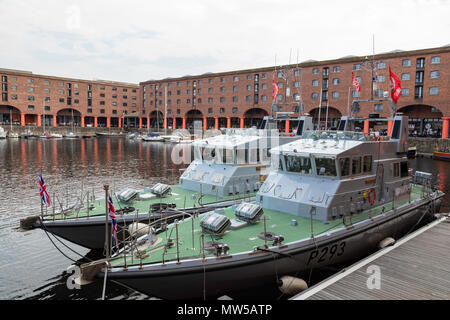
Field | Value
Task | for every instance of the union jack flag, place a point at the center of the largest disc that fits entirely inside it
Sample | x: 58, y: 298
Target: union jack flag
x: 43, y: 191
x: 112, y: 214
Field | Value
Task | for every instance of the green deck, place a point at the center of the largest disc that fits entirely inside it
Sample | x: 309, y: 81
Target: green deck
x: 246, y: 238
x: 181, y: 197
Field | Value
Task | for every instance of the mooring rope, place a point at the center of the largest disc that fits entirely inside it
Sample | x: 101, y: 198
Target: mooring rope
x: 46, y: 232
x: 58, y: 248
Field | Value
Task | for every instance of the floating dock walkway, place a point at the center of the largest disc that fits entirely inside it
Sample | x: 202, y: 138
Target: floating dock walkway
x: 417, y: 267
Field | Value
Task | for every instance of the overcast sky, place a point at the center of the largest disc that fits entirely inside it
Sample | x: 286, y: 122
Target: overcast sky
x: 134, y: 41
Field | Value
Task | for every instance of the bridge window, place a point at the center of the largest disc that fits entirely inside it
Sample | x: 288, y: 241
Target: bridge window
x: 298, y: 164
x: 356, y: 165
x: 344, y: 163
x: 404, y: 169
x: 228, y: 156
x: 367, y: 164
x: 396, y: 172
x: 326, y: 167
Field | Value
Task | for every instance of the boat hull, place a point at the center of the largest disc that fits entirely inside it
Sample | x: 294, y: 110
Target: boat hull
x: 411, y: 153
x: 86, y: 232
x: 442, y: 155
x: 109, y: 135
x: 90, y: 232
x: 194, y: 279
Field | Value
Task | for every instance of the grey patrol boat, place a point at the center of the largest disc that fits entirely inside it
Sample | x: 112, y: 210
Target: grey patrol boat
x: 212, y: 180
x: 331, y: 197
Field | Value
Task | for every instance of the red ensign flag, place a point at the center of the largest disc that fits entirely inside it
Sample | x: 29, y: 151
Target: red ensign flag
x: 396, y: 88
x: 274, y: 89
x: 355, y: 83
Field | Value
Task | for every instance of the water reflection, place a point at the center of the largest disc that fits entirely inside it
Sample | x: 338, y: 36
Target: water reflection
x: 31, y: 266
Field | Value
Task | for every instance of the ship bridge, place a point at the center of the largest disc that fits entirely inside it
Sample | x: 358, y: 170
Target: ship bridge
x: 230, y: 164
x: 332, y: 172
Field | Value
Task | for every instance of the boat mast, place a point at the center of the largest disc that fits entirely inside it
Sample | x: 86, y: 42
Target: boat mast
x: 275, y: 72
x: 373, y: 65
x: 73, y: 125
x: 286, y: 79
x: 157, y: 117
x: 165, y: 110
x: 44, y: 118
x: 298, y: 91
x: 320, y: 110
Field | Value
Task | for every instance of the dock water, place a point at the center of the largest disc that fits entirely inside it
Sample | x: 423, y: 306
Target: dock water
x: 417, y: 267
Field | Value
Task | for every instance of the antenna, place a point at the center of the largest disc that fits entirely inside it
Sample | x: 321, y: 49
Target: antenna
x: 320, y: 109
x: 275, y: 72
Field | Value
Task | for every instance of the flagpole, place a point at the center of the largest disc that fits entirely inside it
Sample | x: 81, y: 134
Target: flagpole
x: 106, y: 188
x: 373, y: 66
x: 275, y: 72
x: 348, y: 102
x: 320, y: 109
x: 165, y: 110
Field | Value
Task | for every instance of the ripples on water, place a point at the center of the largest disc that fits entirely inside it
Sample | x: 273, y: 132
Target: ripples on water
x: 31, y: 267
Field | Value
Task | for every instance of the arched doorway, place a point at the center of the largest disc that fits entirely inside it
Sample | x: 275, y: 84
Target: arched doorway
x: 423, y: 120
x: 9, y: 115
x: 156, y: 119
x: 194, y: 116
x: 223, y: 122
x: 178, y: 123
x: 235, y: 122
x: 67, y: 117
x: 332, y: 121
x: 31, y: 119
x: 131, y: 120
x: 170, y: 123
x: 89, y: 121
x: 102, y: 122
x: 254, y: 116
x: 210, y: 123
x: 114, y: 122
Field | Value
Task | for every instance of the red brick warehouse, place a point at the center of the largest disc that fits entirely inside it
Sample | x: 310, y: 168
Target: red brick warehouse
x: 26, y: 97
x: 240, y: 98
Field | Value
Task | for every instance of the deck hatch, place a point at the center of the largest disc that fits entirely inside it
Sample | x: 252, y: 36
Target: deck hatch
x: 161, y: 189
x: 215, y: 223
x: 249, y: 212
x: 127, y: 195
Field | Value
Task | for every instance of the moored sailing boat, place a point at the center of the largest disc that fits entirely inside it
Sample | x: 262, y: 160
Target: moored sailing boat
x: 441, y: 153
x: 3, y: 133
